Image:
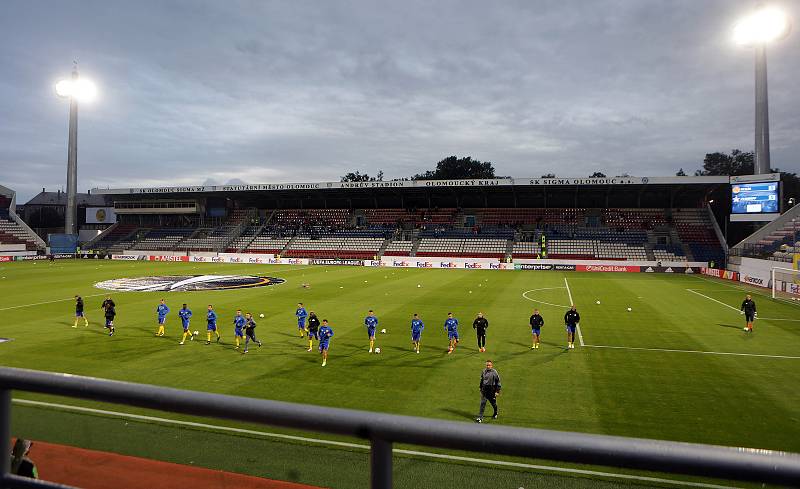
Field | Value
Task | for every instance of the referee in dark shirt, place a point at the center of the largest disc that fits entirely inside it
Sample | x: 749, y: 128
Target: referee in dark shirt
x: 749, y: 311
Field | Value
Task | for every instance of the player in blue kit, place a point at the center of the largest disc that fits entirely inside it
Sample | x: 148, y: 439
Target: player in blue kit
x: 79, y: 312
x: 185, y: 314
x: 451, y: 326
x: 211, y: 320
x: 416, y: 331
x: 238, y: 327
x: 301, y: 314
x: 162, y: 310
x: 372, y: 323
x: 325, y: 333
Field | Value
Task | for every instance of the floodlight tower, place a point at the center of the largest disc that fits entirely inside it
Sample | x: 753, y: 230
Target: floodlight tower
x: 764, y: 25
x: 75, y: 89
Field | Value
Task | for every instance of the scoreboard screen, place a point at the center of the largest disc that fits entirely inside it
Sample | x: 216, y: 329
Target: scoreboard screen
x: 755, y: 198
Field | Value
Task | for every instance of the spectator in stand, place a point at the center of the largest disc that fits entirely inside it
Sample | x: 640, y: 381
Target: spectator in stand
x: 21, y: 465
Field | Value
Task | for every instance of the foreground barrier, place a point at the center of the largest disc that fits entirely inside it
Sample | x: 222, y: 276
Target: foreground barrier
x: 382, y: 430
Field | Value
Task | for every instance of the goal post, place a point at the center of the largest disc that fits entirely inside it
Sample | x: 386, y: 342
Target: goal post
x: 785, y: 283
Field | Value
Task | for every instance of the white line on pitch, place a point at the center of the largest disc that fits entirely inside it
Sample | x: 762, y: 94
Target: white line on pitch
x: 569, y: 293
x: 577, y: 327
x: 50, y: 302
x: 750, y: 290
x: 694, y: 351
x: 738, y: 310
x: 442, y: 456
x: 524, y: 295
x: 712, y: 299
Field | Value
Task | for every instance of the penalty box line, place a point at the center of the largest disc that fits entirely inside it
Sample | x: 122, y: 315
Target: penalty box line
x: 414, y: 453
x: 738, y: 310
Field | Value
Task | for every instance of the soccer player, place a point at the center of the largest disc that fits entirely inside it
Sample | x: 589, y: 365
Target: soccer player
x: 571, y: 320
x: 110, y: 314
x: 162, y: 311
x: 211, y: 320
x: 325, y: 333
x: 79, y: 312
x: 185, y: 314
x: 451, y: 326
x: 749, y: 310
x: 313, y: 329
x: 301, y: 318
x: 250, y: 331
x: 416, y: 331
x: 238, y: 327
x: 536, y: 321
x: 106, y: 302
x: 490, y: 389
x: 371, y: 323
x: 480, y: 325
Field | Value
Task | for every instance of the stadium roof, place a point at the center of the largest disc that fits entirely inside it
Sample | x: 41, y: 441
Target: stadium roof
x: 402, y: 184
x: 60, y: 198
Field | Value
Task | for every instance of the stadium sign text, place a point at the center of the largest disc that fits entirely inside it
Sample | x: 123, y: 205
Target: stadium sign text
x: 403, y: 184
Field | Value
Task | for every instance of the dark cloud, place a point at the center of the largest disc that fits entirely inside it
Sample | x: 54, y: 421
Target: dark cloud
x: 295, y: 91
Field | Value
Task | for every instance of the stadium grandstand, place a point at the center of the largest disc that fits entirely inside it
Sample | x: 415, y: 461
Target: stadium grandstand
x: 656, y: 219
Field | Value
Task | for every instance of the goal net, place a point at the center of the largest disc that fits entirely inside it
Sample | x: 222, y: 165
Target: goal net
x: 785, y: 283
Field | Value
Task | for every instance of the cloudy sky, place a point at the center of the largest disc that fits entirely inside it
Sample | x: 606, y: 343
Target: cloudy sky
x: 288, y: 91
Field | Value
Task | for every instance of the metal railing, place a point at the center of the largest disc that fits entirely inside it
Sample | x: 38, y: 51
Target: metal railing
x: 383, y: 430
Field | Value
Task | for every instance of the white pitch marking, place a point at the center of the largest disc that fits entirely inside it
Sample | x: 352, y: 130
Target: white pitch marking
x: 749, y: 290
x: 550, y: 468
x: 543, y: 302
x: 712, y: 299
x: 578, y: 326
x: 50, y: 302
x: 727, y: 305
x: 694, y: 351
x: 568, y: 291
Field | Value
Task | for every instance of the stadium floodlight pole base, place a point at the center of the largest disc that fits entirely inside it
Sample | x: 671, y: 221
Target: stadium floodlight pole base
x: 380, y: 464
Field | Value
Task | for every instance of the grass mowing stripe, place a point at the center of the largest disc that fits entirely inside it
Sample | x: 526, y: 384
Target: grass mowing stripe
x: 789, y: 357
x: 415, y: 453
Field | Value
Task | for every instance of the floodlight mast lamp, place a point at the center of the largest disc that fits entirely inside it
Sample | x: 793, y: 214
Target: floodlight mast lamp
x: 74, y: 89
x: 765, y: 25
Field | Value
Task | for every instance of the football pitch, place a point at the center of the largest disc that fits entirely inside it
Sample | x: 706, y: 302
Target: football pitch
x: 677, y: 366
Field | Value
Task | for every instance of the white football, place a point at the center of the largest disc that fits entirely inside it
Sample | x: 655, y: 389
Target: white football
x: 383, y: 331
x: 377, y: 350
x: 196, y: 333
x: 261, y: 315
x: 629, y: 309
x: 419, y: 285
x: 598, y: 302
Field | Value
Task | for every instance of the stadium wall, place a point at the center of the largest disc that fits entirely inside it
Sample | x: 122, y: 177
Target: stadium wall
x: 757, y: 272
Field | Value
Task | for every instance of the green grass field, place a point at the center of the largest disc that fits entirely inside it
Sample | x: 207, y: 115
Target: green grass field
x: 676, y: 367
